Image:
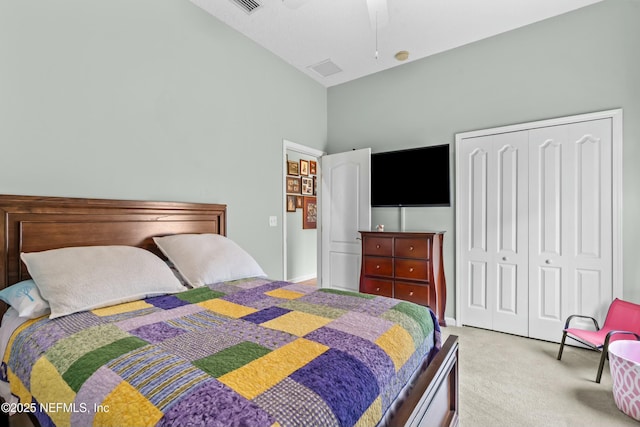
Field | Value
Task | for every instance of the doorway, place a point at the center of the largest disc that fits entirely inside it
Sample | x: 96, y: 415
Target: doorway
x: 301, y: 174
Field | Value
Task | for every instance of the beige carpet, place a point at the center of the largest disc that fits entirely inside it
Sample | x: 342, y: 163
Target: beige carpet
x: 507, y: 380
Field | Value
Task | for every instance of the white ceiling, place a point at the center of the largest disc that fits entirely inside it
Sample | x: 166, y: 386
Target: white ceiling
x: 307, y: 32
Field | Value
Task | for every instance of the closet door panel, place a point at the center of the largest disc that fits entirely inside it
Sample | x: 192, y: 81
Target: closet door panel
x: 476, y: 295
x: 550, y: 293
x: 494, y: 177
x: 511, y: 232
x: 592, y: 225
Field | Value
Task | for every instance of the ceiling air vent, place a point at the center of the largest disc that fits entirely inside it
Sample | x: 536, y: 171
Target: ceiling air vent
x: 325, y: 68
x: 248, y: 6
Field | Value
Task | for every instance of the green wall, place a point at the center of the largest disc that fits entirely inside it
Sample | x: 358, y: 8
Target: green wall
x: 151, y: 100
x: 587, y: 60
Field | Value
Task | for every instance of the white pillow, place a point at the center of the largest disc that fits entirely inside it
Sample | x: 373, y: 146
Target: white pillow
x: 203, y: 259
x: 82, y: 278
x: 26, y: 299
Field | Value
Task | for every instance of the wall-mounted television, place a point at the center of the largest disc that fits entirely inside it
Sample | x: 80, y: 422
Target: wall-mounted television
x: 414, y: 177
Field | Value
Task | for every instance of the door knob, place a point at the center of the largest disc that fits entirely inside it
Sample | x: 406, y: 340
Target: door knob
x: 548, y: 261
x: 504, y: 258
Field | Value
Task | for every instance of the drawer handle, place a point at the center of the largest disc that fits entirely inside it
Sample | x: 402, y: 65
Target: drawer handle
x: 410, y: 248
x: 377, y: 267
x: 411, y: 270
x: 377, y: 246
x: 377, y: 289
x: 411, y: 293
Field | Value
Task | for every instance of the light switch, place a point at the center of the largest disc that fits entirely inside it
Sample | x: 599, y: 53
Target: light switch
x: 273, y: 221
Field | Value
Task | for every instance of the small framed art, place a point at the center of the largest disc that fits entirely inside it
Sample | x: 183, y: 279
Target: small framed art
x: 291, y: 203
x: 293, y: 168
x: 307, y: 186
x: 304, y: 167
x: 293, y: 184
x: 299, y: 202
x: 312, y: 167
x: 309, y: 213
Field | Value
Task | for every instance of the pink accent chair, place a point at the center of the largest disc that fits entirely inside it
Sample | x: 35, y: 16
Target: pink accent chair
x: 622, y: 323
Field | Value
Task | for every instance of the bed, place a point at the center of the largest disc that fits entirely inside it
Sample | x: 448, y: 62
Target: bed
x: 251, y: 351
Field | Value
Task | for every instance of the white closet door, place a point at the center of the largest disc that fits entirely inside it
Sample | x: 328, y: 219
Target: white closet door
x: 494, y: 208
x: 570, y: 264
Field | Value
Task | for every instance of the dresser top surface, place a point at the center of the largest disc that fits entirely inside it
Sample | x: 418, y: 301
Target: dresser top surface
x: 390, y: 232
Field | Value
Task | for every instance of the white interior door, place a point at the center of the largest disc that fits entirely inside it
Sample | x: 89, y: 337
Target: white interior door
x: 570, y: 254
x: 493, y: 176
x: 345, y: 209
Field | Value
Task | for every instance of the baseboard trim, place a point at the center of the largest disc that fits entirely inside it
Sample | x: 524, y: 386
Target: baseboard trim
x: 302, y: 278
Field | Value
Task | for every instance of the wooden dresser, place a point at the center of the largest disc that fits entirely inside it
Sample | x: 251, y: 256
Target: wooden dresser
x: 405, y: 265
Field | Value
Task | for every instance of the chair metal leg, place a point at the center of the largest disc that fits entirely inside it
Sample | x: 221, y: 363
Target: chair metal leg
x: 602, y: 358
x: 564, y: 337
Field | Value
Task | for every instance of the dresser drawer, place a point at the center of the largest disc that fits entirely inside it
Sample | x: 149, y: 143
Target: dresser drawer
x: 412, y: 269
x: 409, y: 247
x: 412, y: 292
x: 380, y: 246
x: 378, y: 266
x: 377, y: 287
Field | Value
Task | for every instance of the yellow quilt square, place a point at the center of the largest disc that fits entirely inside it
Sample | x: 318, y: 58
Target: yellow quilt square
x: 258, y: 376
x: 17, y: 388
x: 125, y: 406
x: 49, y: 388
x: 398, y: 344
x: 297, y: 323
x: 121, y: 308
x: 227, y: 308
x: 284, y: 294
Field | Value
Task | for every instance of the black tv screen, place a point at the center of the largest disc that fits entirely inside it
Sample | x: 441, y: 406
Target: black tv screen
x: 414, y: 177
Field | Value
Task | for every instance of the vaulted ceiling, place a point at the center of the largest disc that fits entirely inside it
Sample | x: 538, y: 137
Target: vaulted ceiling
x: 335, y: 41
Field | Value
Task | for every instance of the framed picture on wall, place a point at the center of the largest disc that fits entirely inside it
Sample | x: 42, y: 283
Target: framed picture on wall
x: 307, y: 186
x: 293, y: 184
x: 312, y: 167
x: 309, y: 213
x: 304, y: 167
x: 292, y: 168
x: 299, y: 202
x: 291, y: 203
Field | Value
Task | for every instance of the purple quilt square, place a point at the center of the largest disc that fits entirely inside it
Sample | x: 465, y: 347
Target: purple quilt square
x: 370, y: 354
x: 157, y: 332
x: 265, y: 315
x: 343, y: 382
x: 214, y: 404
x: 166, y: 302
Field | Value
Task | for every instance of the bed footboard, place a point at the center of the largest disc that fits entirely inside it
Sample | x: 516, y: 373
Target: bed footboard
x: 434, y: 400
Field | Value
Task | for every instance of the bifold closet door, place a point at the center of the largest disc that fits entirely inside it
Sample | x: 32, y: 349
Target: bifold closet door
x: 493, y: 206
x: 570, y: 251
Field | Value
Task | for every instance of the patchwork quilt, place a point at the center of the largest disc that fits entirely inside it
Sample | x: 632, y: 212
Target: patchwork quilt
x: 252, y: 352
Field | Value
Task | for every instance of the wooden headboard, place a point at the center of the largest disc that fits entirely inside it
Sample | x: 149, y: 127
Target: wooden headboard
x: 30, y: 224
